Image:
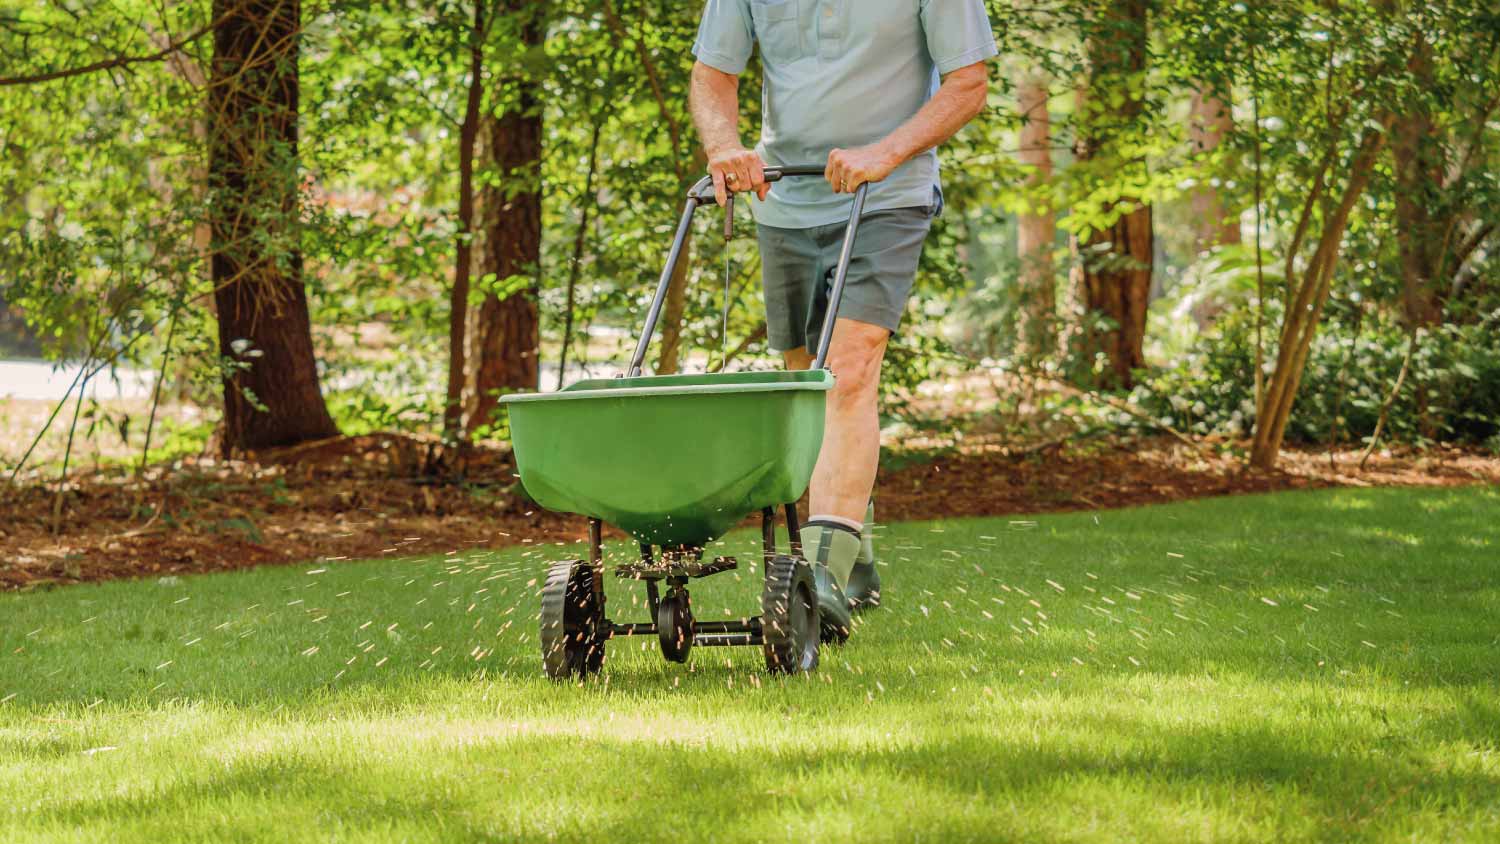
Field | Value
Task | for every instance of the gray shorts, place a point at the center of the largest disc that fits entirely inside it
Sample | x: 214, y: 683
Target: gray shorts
x: 797, y: 267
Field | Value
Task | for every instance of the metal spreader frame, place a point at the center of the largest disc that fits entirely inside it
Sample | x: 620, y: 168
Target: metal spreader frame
x: 703, y: 194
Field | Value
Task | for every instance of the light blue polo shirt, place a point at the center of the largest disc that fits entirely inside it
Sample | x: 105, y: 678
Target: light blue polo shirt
x: 842, y: 73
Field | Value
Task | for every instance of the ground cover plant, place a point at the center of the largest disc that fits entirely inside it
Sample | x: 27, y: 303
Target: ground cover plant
x: 1312, y: 665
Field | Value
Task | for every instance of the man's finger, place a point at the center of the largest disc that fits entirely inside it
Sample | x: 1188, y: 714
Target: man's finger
x: 757, y: 172
x: 719, y: 193
x: 829, y: 169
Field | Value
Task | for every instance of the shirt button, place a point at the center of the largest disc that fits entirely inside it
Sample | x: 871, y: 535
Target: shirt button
x: 827, y: 11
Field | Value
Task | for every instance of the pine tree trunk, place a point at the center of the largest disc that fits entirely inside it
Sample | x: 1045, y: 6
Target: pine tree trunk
x: 1210, y: 122
x: 1037, y: 228
x: 1119, y: 288
x: 508, y: 326
x: 1114, y: 265
x: 272, y: 397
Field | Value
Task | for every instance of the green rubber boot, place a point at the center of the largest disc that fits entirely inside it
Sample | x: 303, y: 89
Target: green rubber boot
x: 832, y: 549
x: 864, y: 579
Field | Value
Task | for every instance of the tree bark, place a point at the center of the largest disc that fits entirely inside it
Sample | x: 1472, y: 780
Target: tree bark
x: 272, y: 397
x: 1305, y: 307
x: 1118, y: 287
x: 685, y: 166
x: 509, y: 342
x: 463, y: 261
x: 1211, y: 121
x: 1114, y: 266
x: 586, y: 201
x: 1420, y: 170
x: 1037, y: 228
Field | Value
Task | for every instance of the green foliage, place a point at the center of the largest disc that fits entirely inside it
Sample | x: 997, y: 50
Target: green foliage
x: 1451, y: 393
x: 101, y: 261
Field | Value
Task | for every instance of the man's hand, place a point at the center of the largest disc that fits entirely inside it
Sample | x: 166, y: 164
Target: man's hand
x: 737, y: 169
x: 849, y: 168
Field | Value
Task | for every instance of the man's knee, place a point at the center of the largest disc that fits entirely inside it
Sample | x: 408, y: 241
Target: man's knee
x: 855, y: 356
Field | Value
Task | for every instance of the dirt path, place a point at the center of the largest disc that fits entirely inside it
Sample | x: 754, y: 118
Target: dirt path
x: 371, y: 496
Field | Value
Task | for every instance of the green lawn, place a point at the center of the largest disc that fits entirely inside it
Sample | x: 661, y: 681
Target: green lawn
x: 1305, y: 666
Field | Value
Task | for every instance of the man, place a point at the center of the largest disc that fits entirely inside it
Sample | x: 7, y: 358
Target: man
x: 871, y: 87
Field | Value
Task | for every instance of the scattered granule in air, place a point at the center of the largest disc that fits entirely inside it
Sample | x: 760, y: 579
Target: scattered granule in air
x: 1174, y: 554
x: 1268, y: 602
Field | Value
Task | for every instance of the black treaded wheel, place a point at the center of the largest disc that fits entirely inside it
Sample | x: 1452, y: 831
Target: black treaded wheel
x: 573, y: 627
x: 789, y: 616
x: 674, y: 625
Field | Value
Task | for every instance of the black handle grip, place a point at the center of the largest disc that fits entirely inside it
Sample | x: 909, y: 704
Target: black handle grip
x: 703, y: 192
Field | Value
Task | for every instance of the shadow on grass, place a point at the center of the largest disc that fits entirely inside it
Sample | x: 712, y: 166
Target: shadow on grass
x: 950, y: 787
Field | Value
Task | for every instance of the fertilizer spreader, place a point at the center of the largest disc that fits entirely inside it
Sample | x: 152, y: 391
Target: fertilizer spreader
x: 676, y: 461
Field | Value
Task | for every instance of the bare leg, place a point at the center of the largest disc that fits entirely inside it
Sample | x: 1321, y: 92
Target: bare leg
x: 797, y: 358
x: 845, y: 473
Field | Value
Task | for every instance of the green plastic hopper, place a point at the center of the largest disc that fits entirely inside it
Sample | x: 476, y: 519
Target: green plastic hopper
x: 672, y: 459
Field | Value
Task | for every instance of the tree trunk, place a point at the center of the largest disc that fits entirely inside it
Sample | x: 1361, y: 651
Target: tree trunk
x: 509, y: 328
x: 1116, y: 284
x: 586, y: 201
x: 271, y: 398
x: 463, y: 261
x: 1114, y: 267
x: 1420, y: 169
x: 687, y: 168
x: 668, y: 359
x: 1210, y: 122
x: 1037, y: 228
x: 1305, y: 306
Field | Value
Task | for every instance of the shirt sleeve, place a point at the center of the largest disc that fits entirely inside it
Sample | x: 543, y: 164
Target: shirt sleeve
x: 958, y: 33
x: 726, y: 35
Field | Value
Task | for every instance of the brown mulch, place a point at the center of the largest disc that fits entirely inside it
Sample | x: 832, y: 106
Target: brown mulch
x: 380, y: 495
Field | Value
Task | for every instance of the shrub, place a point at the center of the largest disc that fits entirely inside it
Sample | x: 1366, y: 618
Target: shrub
x: 1452, y: 392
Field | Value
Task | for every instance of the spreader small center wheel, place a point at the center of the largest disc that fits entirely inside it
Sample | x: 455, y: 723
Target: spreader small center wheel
x: 789, y: 617
x: 674, y: 625
x: 573, y: 626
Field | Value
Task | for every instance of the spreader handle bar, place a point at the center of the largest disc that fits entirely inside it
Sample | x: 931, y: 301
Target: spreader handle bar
x: 702, y: 193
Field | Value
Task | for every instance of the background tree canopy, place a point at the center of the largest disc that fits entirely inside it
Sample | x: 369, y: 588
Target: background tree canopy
x: 1258, y: 221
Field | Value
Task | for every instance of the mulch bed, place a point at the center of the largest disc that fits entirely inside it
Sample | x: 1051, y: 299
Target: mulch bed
x: 362, y: 497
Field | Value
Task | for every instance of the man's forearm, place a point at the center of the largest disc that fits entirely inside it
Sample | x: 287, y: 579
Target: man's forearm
x: 714, y: 101
x: 958, y: 100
